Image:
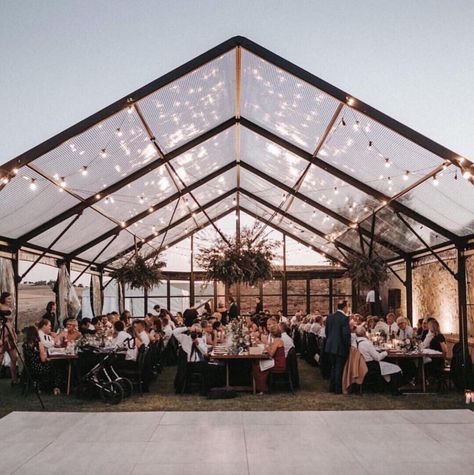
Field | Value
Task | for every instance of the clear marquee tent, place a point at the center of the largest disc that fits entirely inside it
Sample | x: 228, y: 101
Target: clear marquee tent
x: 238, y: 130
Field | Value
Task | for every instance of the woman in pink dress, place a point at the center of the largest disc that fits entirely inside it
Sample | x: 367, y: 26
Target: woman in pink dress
x: 276, y: 350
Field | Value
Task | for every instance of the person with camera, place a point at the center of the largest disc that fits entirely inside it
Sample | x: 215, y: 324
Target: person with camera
x: 8, y: 336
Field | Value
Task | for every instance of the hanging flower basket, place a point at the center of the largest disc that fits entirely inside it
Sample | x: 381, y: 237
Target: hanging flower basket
x: 140, y: 273
x: 247, y: 260
x: 367, y: 270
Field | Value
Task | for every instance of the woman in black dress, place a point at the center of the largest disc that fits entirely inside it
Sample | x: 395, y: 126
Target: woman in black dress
x: 36, y: 359
x: 438, y: 343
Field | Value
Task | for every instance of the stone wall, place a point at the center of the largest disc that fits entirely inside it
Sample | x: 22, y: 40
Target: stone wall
x: 435, y: 292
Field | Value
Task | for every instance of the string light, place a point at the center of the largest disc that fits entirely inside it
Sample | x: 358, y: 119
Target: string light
x: 130, y: 109
x: 119, y: 132
x: 15, y: 171
x: 33, y: 185
x: 336, y: 191
x: 63, y: 183
x: 387, y: 163
x: 405, y: 175
x: 370, y: 144
x: 97, y: 196
x: 389, y: 180
x: 123, y: 224
x: 435, y: 181
x: 141, y: 200
x: 107, y: 200
x: 466, y: 174
x: 84, y: 171
x: 151, y: 209
x: 103, y: 153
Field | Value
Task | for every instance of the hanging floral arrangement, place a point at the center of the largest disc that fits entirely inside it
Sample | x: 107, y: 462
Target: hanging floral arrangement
x: 367, y: 270
x: 140, y: 273
x: 247, y: 260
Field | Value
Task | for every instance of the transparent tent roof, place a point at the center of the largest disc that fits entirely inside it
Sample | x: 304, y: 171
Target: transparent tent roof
x: 236, y: 127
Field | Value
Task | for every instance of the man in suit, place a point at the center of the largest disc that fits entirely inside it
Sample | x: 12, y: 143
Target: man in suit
x: 338, y: 341
x: 233, y: 309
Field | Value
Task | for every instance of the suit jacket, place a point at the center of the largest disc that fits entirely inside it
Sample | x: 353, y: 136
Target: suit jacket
x: 233, y: 311
x: 338, y: 334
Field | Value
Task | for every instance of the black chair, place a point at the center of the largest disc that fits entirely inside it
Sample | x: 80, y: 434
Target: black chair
x: 141, y: 373
x: 189, y: 376
x: 286, y: 376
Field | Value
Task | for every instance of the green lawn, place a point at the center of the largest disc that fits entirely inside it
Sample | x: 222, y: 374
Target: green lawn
x: 313, y: 395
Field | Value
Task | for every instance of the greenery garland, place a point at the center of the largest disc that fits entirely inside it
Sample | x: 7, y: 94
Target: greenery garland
x: 247, y: 260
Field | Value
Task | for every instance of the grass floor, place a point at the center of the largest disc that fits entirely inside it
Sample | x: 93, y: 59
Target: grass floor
x: 313, y: 395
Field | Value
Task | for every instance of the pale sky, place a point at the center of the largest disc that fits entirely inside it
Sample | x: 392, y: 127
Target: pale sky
x: 62, y: 60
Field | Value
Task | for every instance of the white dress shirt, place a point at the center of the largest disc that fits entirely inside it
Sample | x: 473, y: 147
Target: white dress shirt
x: 404, y: 334
x: 47, y: 340
x: 369, y: 353
x: 132, y: 353
x: 121, y: 337
x: 287, y: 343
x: 381, y: 327
x: 314, y: 328
x: 187, y: 344
x: 392, y: 328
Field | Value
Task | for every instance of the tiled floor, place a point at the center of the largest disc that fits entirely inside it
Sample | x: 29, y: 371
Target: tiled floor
x: 238, y: 443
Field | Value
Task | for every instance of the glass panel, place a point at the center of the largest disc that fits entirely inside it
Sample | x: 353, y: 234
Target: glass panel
x: 206, y: 157
x: 319, y: 304
x: 272, y: 303
x: 449, y: 204
x: 192, y: 104
x: 389, y: 227
x: 29, y: 200
x: 284, y: 104
x: 152, y: 301
x: 270, y: 158
x: 111, y: 296
x: 136, y: 306
x: 336, y: 194
x: 203, y: 289
x: 158, y: 290
x: 179, y: 288
x: 296, y: 287
x: 319, y: 286
x: 272, y: 287
x: 363, y: 148
x: 129, y: 292
x: 89, y: 226
x: 179, y: 304
x: 342, y: 286
x: 110, y: 150
x: 138, y: 196
x: 121, y: 243
x: 260, y: 187
x: 295, y: 303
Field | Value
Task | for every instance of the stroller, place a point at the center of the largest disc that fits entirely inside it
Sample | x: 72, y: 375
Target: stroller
x: 104, y: 380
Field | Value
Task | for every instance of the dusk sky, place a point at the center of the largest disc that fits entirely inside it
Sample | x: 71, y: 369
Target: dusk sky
x: 62, y: 60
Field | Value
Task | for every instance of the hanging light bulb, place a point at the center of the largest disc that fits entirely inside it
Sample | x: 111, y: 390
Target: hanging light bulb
x: 435, y: 181
x: 107, y: 200
x: 387, y: 163
x: 370, y: 144
x: 389, y: 180
x: 466, y: 174
x: 119, y: 132
x: 15, y: 171
x: 151, y: 209
x: 405, y: 175
x: 336, y: 191
x: 63, y: 183
x: 343, y: 122
x: 284, y: 196
x: 141, y: 200
x: 84, y: 171
x: 234, y: 201
x: 130, y: 109
x: 103, y: 153
x: 33, y: 185
x: 123, y: 224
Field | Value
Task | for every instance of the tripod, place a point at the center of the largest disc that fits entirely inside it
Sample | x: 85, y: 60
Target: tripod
x: 7, y: 335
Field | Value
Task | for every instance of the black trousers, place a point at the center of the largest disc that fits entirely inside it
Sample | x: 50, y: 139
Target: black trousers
x: 337, y: 368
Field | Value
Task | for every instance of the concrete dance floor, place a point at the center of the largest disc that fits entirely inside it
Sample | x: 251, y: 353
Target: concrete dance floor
x: 238, y: 443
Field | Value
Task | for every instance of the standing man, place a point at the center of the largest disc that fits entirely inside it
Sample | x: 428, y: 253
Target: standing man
x: 233, y: 309
x: 338, y: 341
x: 258, y: 306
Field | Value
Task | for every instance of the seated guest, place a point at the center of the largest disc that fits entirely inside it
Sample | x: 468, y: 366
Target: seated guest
x: 316, y: 325
x: 419, y: 327
x: 125, y: 317
x: 189, y: 315
x: 276, y: 349
x: 207, y: 332
x: 51, y: 315
x: 218, y: 333
x: 404, y: 329
x: 437, y: 342
x: 381, y: 326
x: 70, y: 334
x: 167, y: 330
x: 36, y: 359
x: 392, y: 324
x: 45, y: 335
x: 370, y: 323
x: 281, y: 317
x: 114, y: 317
x: 155, y: 329
x: 120, y: 335
x: 288, y: 343
x: 424, y: 330
x: 86, y: 327
x: 374, y: 361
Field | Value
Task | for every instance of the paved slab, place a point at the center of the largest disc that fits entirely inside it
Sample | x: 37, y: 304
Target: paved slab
x: 238, y: 443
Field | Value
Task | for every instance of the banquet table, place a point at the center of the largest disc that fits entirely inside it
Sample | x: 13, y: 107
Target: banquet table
x: 396, y: 355
x: 228, y: 358
x: 70, y: 359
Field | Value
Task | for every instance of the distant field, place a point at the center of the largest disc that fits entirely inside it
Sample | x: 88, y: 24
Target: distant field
x: 32, y: 303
